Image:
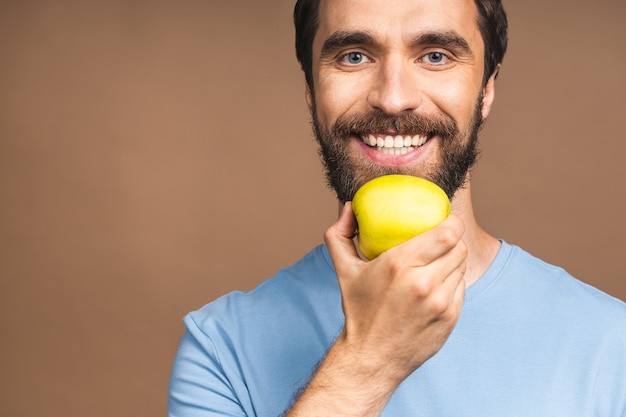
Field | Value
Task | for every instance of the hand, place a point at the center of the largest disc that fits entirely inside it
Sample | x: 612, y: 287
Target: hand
x: 400, y: 307
x: 399, y: 310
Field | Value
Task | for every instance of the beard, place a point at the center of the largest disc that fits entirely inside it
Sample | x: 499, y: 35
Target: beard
x: 346, y: 173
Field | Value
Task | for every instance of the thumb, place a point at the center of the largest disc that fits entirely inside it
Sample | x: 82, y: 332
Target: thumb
x: 338, y: 238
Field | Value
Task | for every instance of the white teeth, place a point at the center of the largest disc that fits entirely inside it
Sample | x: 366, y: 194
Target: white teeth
x: 395, y: 145
x: 394, y: 142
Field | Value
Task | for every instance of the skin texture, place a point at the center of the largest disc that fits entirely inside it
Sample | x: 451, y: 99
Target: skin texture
x: 401, y: 307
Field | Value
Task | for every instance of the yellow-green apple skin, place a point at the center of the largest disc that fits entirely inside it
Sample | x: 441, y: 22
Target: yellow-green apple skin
x: 392, y: 209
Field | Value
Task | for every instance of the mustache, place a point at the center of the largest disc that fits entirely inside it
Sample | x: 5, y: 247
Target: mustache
x: 403, y: 124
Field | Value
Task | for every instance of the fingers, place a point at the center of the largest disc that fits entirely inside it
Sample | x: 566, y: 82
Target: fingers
x: 432, y: 244
x: 431, y: 267
x: 338, y: 238
x: 443, y: 242
x: 452, y: 288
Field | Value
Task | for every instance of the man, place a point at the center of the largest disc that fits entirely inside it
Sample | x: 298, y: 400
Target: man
x: 451, y: 323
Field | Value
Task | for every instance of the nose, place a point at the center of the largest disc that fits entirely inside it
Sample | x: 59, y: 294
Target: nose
x: 395, y: 88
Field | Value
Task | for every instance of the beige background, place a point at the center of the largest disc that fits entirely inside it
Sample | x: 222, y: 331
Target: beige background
x: 156, y: 154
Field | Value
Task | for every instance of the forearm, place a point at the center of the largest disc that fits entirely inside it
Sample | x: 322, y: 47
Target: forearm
x: 347, y: 384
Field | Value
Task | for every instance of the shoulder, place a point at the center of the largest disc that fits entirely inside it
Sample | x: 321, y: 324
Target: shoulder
x: 300, y: 292
x: 312, y: 274
x: 277, y: 332
x: 562, y: 292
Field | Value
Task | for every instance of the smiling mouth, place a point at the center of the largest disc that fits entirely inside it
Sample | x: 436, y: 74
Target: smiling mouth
x: 394, y: 144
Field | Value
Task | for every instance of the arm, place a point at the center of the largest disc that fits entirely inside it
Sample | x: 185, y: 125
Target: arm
x: 198, y: 385
x: 399, y: 310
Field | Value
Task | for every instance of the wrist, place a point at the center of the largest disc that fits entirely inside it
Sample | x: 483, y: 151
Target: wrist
x: 348, y: 383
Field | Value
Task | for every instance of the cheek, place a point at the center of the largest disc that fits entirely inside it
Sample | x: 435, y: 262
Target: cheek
x: 336, y: 96
x: 457, y: 99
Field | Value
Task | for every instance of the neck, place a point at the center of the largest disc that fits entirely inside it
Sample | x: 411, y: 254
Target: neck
x: 482, y: 246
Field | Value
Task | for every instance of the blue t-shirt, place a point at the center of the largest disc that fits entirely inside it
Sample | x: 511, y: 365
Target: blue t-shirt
x: 531, y: 342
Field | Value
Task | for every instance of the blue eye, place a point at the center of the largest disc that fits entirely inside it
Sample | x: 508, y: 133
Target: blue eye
x: 436, y: 57
x: 354, y: 58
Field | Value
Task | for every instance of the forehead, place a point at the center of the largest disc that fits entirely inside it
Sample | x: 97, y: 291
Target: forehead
x: 393, y: 21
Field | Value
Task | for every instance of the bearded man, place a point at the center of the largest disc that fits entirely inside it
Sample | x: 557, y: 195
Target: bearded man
x: 453, y: 322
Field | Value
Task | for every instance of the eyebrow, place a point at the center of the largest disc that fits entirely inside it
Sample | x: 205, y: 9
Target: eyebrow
x: 341, y: 39
x: 448, y: 39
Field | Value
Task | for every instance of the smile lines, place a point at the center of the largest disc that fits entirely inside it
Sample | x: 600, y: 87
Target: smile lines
x: 394, y: 145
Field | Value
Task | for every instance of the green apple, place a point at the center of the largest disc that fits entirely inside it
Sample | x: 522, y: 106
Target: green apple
x: 392, y: 209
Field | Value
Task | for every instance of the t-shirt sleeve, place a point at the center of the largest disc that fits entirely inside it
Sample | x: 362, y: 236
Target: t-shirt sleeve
x: 198, y: 384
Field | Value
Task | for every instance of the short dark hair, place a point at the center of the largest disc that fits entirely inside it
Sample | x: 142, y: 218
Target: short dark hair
x: 492, y: 23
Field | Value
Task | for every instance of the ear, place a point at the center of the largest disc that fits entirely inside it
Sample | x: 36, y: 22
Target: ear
x: 309, y: 98
x: 489, y: 93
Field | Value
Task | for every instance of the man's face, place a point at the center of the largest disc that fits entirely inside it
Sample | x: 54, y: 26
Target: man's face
x: 398, y: 89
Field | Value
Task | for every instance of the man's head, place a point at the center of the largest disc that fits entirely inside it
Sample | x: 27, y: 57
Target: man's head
x: 397, y: 86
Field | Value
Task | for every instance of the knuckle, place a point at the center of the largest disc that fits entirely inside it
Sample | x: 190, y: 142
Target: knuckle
x: 448, y: 237
x: 456, y: 223
x: 463, y: 249
x: 421, y: 288
x: 396, y: 269
x: 439, y: 304
x: 329, y: 234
